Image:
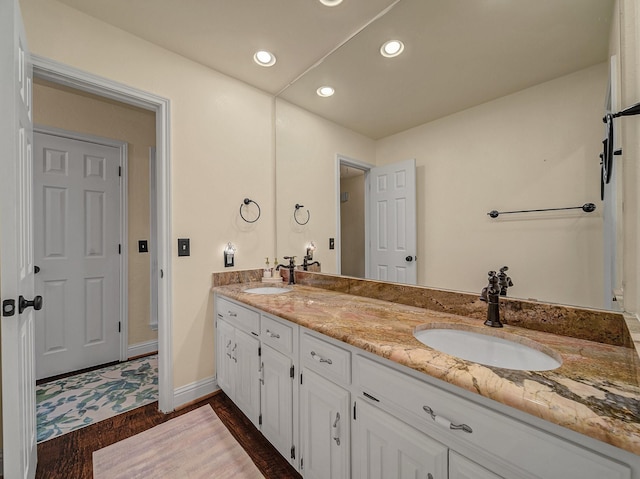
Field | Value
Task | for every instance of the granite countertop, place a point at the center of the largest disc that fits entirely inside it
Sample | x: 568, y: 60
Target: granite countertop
x: 595, y: 391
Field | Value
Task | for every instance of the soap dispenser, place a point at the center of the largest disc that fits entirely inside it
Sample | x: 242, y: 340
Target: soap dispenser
x: 267, y: 270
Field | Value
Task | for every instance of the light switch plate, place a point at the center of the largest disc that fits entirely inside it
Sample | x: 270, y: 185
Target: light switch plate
x: 143, y: 246
x: 183, y: 247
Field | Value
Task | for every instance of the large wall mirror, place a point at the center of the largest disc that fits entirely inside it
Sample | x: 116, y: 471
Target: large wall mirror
x: 501, y: 105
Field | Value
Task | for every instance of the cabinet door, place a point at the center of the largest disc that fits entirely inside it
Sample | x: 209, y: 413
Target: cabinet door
x: 224, y: 362
x: 462, y: 468
x: 277, y: 400
x: 387, y: 448
x: 247, y: 382
x: 324, y: 427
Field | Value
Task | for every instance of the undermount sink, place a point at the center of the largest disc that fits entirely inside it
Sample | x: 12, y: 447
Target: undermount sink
x: 491, y: 348
x: 267, y: 290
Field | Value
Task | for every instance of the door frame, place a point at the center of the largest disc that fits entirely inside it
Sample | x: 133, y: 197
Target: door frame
x: 84, y: 81
x: 359, y: 165
x: 123, y: 149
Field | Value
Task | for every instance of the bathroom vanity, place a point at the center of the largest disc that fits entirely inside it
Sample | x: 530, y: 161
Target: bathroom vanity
x: 338, y: 383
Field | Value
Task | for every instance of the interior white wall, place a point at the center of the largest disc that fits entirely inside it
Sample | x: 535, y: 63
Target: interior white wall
x: 221, y: 150
x: 628, y: 50
x: 537, y: 148
x: 307, y: 147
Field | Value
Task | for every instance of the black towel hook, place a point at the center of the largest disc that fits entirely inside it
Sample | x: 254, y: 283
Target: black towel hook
x: 298, y: 206
x: 246, y: 202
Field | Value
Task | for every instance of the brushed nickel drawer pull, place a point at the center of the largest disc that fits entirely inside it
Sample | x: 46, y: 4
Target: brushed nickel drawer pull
x: 273, y: 335
x: 445, y: 422
x: 319, y: 358
x: 232, y: 314
x: 336, y: 436
x: 235, y: 358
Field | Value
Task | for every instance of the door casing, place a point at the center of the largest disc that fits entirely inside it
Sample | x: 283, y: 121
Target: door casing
x: 81, y: 80
x: 360, y: 165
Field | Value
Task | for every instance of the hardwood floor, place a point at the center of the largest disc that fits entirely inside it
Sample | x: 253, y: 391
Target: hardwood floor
x: 70, y: 456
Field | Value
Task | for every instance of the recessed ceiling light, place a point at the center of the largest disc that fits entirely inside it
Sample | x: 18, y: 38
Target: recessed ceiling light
x: 392, y: 48
x: 330, y: 3
x: 264, y: 58
x: 325, y: 91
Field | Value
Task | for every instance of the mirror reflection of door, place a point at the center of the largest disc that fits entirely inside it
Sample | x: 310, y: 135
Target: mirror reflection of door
x: 352, y: 221
x: 392, y: 234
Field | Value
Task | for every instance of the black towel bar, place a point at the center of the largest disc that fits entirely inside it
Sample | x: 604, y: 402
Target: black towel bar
x: 587, y: 208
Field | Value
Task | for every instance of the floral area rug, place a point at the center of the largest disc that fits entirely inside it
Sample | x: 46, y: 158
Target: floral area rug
x: 68, y: 404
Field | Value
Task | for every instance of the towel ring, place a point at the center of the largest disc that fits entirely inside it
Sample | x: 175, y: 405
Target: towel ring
x: 247, y: 201
x: 298, y: 206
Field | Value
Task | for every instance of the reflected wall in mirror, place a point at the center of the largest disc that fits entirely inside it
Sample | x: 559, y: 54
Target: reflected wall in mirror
x: 500, y: 104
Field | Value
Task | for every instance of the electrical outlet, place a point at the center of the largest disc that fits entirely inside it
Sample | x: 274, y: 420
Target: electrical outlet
x: 143, y: 246
x: 183, y: 247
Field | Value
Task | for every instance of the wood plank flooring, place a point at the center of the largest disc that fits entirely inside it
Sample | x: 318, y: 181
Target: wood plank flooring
x: 69, y: 456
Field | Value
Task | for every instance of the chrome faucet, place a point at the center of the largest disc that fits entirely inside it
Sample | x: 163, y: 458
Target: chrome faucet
x: 291, y: 268
x: 491, y: 294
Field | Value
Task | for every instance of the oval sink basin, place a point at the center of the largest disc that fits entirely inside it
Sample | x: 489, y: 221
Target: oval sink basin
x: 267, y: 290
x: 504, y: 351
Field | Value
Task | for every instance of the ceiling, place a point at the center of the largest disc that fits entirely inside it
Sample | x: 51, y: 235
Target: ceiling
x: 458, y: 54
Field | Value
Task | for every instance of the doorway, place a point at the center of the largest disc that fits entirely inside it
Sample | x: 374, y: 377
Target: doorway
x: 353, y: 253
x: 70, y: 77
x: 352, y: 232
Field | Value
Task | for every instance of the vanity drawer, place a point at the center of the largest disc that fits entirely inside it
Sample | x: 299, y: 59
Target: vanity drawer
x: 277, y: 333
x: 504, y: 439
x: 239, y: 316
x: 327, y: 359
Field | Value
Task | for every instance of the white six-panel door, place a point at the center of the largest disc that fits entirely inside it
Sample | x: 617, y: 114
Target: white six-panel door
x: 77, y: 235
x: 16, y: 247
x: 392, y: 213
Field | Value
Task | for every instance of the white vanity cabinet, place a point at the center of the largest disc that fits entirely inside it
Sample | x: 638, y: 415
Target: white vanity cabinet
x: 356, y: 414
x: 325, y: 409
x: 462, y: 468
x: 505, y: 446
x: 237, y: 359
x: 385, y: 447
x: 277, y: 378
x: 256, y: 355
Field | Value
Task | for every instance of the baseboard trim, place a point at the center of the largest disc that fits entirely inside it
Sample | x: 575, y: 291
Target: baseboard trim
x: 194, y: 391
x: 140, y: 349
